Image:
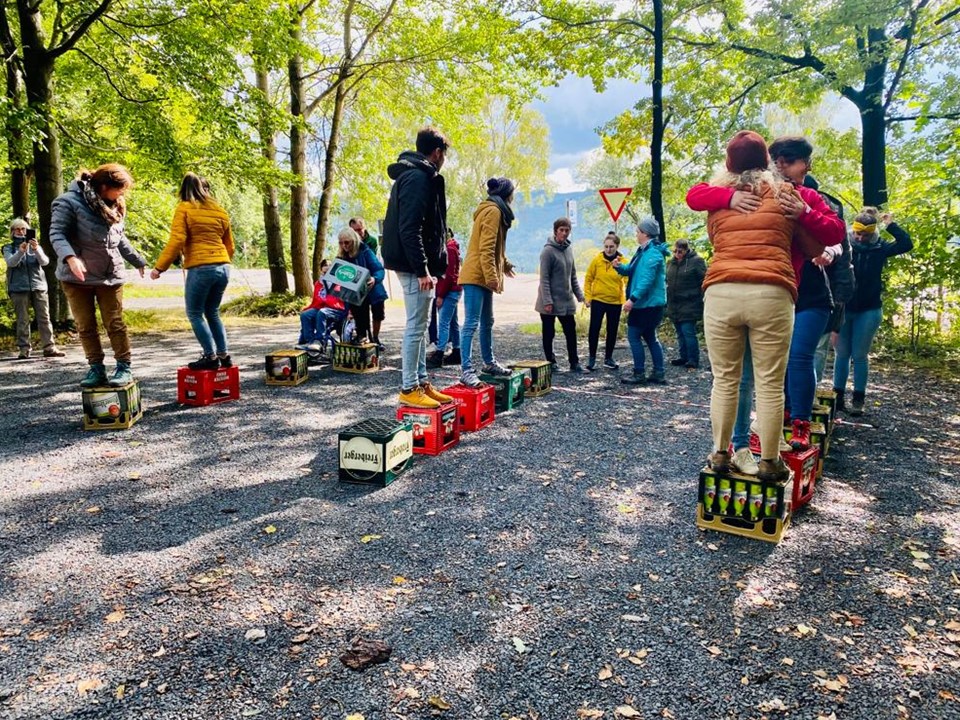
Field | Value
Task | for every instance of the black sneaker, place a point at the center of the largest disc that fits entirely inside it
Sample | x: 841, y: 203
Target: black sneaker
x: 856, y: 405
x: 610, y: 364
x: 634, y: 379
x: 225, y: 361
x: 578, y: 369
x: 678, y: 362
x: 657, y: 377
x: 435, y: 360
x: 205, y: 362
x: 592, y: 364
x: 496, y: 369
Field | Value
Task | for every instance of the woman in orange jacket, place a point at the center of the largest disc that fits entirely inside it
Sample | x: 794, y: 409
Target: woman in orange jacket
x: 201, y: 233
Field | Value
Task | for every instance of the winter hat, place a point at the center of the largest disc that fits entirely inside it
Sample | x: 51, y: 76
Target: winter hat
x: 650, y: 226
x: 747, y: 151
x: 501, y: 186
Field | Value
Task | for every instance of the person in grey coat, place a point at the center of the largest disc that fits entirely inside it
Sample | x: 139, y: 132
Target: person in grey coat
x: 27, y: 285
x: 558, y: 293
x: 87, y: 233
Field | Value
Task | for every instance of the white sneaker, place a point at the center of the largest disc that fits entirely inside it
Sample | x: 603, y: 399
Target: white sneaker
x: 431, y: 348
x: 744, y: 462
x: 784, y: 445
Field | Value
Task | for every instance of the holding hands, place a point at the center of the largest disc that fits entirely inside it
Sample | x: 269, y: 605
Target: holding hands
x: 744, y: 201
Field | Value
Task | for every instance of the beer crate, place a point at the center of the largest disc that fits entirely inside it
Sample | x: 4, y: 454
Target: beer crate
x: 828, y: 398
x: 805, y: 466
x: 541, y: 377
x: 111, y: 408
x: 356, y: 358
x: 819, y: 437
x: 475, y: 405
x: 286, y: 367
x: 743, y: 505
x: 823, y: 415
x: 434, y: 429
x: 508, y: 390
x: 347, y: 281
x: 206, y: 387
x: 375, y: 451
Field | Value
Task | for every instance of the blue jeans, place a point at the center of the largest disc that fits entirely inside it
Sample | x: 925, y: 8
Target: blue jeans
x: 448, y: 325
x: 808, y: 327
x: 315, y: 324
x: 413, y: 354
x: 642, y: 326
x: 477, y: 312
x: 741, y: 428
x: 820, y: 356
x: 687, y: 342
x: 202, y: 293
x: 856, y: 337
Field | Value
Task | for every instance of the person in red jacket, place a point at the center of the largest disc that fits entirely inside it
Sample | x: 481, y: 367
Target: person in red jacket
x: 322, y: 315
x: 448, y: 300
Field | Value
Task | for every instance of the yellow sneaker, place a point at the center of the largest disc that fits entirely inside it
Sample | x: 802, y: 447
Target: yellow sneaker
x: 418, y: 398
x: 438, y: 396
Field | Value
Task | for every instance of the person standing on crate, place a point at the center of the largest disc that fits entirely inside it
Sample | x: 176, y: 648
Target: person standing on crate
x: 646, y: 299
x: 27, y: 285
x: 354, y: 250
x: 557, y: 294
x: 482, y: 275
x: 864, y: 311
x: 87, y: 234
x: 377, y: 310
x: 448, y: 298
x: 201, y: 234
x: 750, y: 289
x: 414, y: 246
x: 685, y: 273
x: 603, y: 290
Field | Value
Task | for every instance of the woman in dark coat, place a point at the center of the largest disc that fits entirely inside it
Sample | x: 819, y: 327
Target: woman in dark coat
x: 685, y: 273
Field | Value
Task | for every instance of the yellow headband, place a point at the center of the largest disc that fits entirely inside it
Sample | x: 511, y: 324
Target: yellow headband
x: 861, y: 228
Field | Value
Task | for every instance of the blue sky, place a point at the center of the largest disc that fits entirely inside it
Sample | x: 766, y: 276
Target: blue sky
x: 573, y: 110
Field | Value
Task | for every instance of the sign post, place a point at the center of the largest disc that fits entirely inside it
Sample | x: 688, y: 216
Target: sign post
x: 616, y: 200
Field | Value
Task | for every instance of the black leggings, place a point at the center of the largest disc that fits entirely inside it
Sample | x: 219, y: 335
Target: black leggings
x: 569, y: 325
x: 598, y: 311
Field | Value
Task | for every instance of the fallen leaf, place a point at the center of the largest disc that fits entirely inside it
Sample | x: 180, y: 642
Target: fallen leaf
x: 301, y: 638
x: 589, y: 714
x: 120, y: 692
x: 116, y: 616
x: 520, y: 646
x: 399, y: 580
x: 667, y: 714
x: 369, y: 538
x: 626, y: 711
x: 439, y: 703
x: 93, y: 509
x: 806, y: 630
x: 255, y: 634
x: 133, y: 476
x: 787, y: 661
x: 162, y: 688
x: 714, y: 650
x: 161, y: 651
x: 412, y: 693
x: 710, y: 546
x: 606, y: 672
x: 88, y: 685
x: 920, y: 555
x: 355, y: 716
x: 270, y: 529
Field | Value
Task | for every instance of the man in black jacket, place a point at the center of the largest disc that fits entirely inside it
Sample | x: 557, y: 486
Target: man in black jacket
x: 414, y: 246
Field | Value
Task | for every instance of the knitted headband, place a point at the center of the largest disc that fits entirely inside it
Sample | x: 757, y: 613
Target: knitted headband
x: 859, y: 227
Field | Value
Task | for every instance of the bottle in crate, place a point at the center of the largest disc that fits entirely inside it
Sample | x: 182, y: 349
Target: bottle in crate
x: 286, y: 367
x: 375, y: 451
x: 540, y: 374
x: 508, y: 389
x: 752, y: 508
x: 111, y: 408
x: 356, y: 358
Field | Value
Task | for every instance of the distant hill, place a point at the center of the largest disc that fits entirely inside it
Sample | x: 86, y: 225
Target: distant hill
x: 534, y: 224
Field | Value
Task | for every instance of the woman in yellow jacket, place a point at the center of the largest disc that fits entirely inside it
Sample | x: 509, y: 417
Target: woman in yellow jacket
x: 604, y: 291
x: 201, y: 233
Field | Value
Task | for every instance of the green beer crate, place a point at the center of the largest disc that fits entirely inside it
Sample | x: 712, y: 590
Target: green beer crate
x: 828, y: 398
x: 822, y: 414
x: 375, y: 451
x: 286, y: 367
x: 112, y: 408
x: 347, y: 281
x: 356, y: 358
x: 508, y: 391
x: 541, y: 377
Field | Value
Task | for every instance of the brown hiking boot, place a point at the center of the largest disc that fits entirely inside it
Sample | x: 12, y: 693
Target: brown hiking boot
x: 719, y: 461
x: 773, y: 471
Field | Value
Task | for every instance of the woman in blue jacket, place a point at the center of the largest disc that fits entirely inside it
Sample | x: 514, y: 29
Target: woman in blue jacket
x: 354, y: 250
x: 864, y: 310
x: 646, y: 298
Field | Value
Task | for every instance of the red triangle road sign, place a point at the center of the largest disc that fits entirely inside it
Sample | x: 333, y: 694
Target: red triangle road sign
x: 615, y: 198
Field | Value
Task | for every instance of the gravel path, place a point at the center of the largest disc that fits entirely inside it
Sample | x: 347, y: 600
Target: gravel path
x: 547, y: 568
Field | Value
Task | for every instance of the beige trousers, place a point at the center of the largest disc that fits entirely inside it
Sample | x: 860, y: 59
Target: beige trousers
x: 732, y: 313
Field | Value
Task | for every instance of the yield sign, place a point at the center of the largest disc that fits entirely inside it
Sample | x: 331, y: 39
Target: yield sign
x: 615, y: 198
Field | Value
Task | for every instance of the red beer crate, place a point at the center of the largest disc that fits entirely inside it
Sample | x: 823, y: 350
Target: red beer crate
x: 805, y: 465
x: 205, y: 387
x: 476, y: 405
x: 434, y: 430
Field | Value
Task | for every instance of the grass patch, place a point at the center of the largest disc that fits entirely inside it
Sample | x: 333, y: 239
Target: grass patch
x: 265, y: 306
x: 138, y: 290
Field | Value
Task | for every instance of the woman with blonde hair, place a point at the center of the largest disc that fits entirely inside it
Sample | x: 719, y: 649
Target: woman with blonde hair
x: 354, y: 250
x: 201, y: 233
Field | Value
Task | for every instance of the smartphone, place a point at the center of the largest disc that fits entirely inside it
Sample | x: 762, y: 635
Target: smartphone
x: 31, y: 234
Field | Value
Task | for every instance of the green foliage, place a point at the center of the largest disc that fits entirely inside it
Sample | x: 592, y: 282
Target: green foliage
x: 266, y: 306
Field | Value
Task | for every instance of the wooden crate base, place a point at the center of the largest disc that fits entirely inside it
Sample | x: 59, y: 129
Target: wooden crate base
x: 766, y: 529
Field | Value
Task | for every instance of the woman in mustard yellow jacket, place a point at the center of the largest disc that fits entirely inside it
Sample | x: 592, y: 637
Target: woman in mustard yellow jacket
x: 604, y: 291
x: 201, y: 233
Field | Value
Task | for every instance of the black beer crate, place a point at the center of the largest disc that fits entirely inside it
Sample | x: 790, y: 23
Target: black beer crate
x: 743, y: 505
x: 508, y: 389
x: 375, y: 451
x: 541, y: 377
x: 286, y: 367
x: 356, y: 358
x: 112, y: 408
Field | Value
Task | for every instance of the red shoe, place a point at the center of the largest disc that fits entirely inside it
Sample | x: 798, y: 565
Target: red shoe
x: 800, y: 435
x: 786, y: 417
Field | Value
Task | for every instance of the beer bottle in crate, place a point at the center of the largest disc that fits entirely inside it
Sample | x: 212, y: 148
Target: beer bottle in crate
x: 770, y: 503
x: 724, y: 494
x: 755, y: 500
x: 739, y: 497
x: 709, y: 492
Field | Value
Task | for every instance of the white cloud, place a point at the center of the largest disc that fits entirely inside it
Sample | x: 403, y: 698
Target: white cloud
x: 564, y: 182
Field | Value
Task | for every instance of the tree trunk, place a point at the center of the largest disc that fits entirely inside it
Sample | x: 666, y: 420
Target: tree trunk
x: 873, y: 121
x: 299, y: 199
x: 329, y: 170
x: 656, y: 137
x: 20, y: 170
x: 271, y: 206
